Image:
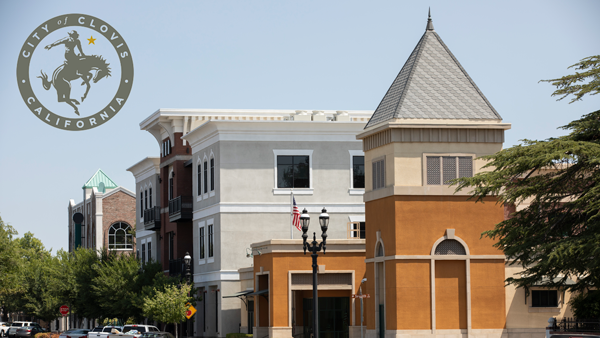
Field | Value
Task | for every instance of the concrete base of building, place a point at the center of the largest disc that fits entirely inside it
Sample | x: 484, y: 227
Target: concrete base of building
x: 354, y: 332
x: 473, y: 333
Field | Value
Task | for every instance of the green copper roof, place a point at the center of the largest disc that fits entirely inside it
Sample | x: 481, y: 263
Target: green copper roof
x: 99, y: 179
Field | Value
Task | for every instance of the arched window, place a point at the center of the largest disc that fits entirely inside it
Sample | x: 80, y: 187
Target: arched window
x: 119, y: 236
x: 450, y: 247
x: 101, y: 187
x: 379, y: 251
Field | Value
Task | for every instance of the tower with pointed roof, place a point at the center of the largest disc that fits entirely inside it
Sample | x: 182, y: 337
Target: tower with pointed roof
x: 428, y: 269
x: 108, y: 216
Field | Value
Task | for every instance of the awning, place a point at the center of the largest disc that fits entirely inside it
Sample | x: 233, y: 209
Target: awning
x: 259, y: 293
x: 239, y: 294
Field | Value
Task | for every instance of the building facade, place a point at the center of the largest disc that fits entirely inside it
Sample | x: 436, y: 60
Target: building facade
x: 225, y: 180
x: 109, y: 216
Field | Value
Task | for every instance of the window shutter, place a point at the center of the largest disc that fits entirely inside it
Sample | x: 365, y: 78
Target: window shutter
x: 433, y: 170
x: 449, y: 164
x: 465, y: 166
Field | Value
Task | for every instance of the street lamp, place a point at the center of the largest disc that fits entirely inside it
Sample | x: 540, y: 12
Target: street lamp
x: 187, y: 259
x: 314, y: 247
x: 361, y: 306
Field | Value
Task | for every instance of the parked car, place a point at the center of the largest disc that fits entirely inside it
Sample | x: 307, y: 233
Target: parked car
x: 135, y: 331
x: 12, y: 331
x: 102, y: 331
x: 28, y: 331
x: 4, y: 326
x: 75, y: 333
x: 159, y: 334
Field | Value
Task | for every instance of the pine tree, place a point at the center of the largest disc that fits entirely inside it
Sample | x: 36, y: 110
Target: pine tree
x: 555, y: 233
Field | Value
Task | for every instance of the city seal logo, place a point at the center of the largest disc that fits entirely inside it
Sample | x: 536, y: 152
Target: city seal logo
x: 75, y: 74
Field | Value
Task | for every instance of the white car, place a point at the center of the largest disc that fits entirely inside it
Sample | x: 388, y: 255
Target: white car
x: 75, y: 333
x: 134, y: 331
x: 102, y: 331
x: 4, y: 329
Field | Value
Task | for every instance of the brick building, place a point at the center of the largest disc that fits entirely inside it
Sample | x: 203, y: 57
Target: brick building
x: 109, y: 216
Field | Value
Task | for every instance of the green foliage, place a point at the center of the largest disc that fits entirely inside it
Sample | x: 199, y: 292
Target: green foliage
x: 586, y: 305
x: 238, y: 335
x: 168, y: 304
x: 9, y: 266
x: 557, y: 235
x: 568, y: 85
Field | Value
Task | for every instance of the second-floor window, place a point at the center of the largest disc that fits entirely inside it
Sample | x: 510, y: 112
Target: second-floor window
x: 199, y: 183
x: 150, y: 197
x: 293, y: 171
x: 210, y: 241
x: 378, y: 174
x: 202, y: 243
x: 358, y: 172
x: 171, y: 187
x: 212, y: 174
x: 205, y: 177
x: 149, y: 251
x: 141, y: 204
x: 145, y: 199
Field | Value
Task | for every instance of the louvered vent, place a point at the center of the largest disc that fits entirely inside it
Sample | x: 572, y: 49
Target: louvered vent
x: 433, y: 170
x: 449, y: 168
x: 450, y: 247
x: 465, y: 166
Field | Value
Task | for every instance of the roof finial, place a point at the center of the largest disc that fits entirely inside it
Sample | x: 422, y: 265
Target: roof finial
x: 429, y: 22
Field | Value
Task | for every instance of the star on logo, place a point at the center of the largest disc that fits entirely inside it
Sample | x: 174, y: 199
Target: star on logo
x: 91, y: 40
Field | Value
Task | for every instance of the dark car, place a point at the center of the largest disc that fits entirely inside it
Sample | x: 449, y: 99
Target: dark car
x: 159, y: 334
x: 28, y: 331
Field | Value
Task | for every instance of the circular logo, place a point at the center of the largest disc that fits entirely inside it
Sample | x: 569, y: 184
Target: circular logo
x: 75, y: 77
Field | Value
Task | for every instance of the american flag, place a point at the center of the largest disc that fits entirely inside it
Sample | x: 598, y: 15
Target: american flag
x: 296, y: 216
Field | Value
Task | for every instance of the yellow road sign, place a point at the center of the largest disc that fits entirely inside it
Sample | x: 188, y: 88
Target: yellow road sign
x: 190, y: 311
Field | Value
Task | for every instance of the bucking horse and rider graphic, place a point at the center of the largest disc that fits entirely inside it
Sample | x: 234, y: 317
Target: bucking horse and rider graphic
x: 75, y: 66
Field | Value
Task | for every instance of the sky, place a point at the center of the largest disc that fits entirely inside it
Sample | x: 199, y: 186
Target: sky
x: 309, y: 55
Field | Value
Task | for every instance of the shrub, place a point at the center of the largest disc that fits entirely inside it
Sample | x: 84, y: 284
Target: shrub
x: 47, y: 335
x: 238, y: 335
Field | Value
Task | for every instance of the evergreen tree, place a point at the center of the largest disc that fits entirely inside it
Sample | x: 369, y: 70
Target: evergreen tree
x: 555, y: 235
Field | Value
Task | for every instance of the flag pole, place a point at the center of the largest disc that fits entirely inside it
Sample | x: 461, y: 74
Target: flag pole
x: 292, y: 214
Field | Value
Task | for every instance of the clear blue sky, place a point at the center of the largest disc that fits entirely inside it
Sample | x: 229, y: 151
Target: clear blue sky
x: 340, y: 55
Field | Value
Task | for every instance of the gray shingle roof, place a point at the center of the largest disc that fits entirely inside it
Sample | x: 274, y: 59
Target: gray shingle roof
x: 433, y: 85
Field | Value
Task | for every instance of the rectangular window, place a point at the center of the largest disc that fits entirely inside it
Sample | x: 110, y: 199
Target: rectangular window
x: 170, y: 188
x: 210, y: 241
x: 150, y: 198
x: 358, y: 172
x: 145, y: 199
x: 293, y: 172
x: 171, y: 235
x: 149, y: 251
x: 442, y: 169
x: 212, y: 174
x: 378, y: 174
x: 141, y: 204
x: 199, y: 187
x: 143, y: 253
x: 201, y: 243
x: 205, y: 177
x: 544, y: 298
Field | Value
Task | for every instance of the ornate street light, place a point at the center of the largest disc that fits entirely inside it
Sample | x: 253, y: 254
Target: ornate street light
x: 187, y: 259
x: 314, y: 247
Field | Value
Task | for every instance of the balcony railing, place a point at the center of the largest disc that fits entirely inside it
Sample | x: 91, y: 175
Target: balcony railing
x: 152, y: 218
x: 180, y: 209
x: 177, y: 267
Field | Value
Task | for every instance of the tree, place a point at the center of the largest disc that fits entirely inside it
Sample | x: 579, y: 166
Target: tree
x: 556, y: 235
x: 9, y: 266
x: 168, y: 305
x: 567, y: 85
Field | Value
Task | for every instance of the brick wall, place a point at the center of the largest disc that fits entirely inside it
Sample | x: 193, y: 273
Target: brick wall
x: 118, y: 207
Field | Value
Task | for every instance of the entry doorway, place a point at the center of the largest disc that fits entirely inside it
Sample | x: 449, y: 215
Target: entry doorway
x: 250, y: 316
x: 334, y: 317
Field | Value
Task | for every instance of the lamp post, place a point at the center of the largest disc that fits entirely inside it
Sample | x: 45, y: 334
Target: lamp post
x: 187, y: 259
x: 314, y: 248
x: 361, y: 306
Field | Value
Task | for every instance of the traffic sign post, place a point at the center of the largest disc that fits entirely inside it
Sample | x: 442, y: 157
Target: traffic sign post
x: 64, y: 310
